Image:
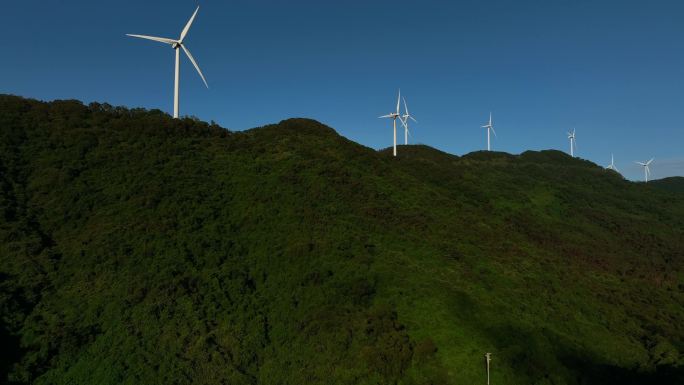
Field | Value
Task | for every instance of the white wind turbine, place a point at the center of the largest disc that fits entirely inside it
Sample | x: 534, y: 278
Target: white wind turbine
x: 177, y: 45
x: 573, y: 143
x: 488, y: 359
x: 489, y: 128
x: 647, y: 170
x: 404, y: 121
x: 611, y: 166
x: 394, y: 116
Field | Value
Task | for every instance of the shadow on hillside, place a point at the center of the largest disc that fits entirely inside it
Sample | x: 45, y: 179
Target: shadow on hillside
x: 543, y: 357
x: 590, y: 373
x: 10, y: 353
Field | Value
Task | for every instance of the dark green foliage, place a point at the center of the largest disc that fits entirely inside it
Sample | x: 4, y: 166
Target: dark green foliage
x: 674, y: 184
x: 139, y: 249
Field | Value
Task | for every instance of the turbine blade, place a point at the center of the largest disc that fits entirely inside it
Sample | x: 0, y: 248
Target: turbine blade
x: 187, y: 26
x: 195, y: 64
x: 649, y: 162
x: 413, y: 119
x: 403, y: 123
x: 492, y: 128
x: 384, y: 116
x: 159, y: 39
x: 398, y: 100
x: 406, y: 107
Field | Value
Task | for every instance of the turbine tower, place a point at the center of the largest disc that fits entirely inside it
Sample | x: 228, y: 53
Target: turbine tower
x: 611, y: 166
x: 489, y: 128
x: 404, y: 121
x: 177, y: 45
x: 573, y: 143
x: 647, y: 170
x: 394, y: 116
x: 488, y: 359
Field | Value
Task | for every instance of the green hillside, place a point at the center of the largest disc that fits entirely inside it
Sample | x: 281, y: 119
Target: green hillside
x: 674, y: 184
x: 138, y: 249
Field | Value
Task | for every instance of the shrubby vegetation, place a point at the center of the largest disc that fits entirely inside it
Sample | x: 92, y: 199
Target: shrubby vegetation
x: 674, y: 183
x: 139, y: 249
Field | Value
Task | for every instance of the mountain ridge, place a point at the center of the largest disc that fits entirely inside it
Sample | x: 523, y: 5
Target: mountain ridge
x: 142, y: 249
x: 673, y: 184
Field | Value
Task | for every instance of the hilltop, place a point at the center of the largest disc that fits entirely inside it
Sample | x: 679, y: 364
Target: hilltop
x: 139, y: 249
x: 674, y: 184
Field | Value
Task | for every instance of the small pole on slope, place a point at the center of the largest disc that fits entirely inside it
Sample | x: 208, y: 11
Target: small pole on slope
x: 488, y: 359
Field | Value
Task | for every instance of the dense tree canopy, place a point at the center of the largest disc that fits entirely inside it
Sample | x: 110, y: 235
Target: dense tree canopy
x: 139, y: 249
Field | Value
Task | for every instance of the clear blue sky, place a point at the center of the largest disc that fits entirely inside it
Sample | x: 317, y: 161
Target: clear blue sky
x: 612, y: 69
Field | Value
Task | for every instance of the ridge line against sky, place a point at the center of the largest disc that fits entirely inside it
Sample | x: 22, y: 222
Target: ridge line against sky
x: 613, y: 70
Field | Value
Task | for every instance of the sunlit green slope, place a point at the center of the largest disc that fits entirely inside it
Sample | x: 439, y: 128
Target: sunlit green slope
x: 138, y: 249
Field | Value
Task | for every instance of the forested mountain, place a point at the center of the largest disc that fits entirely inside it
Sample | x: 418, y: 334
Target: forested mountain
x: 139, y: 249
x: 674, y: 183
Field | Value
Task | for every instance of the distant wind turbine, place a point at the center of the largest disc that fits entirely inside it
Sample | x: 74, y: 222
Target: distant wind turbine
x: 573, y: 143
x: 404, y: 121
x: 611, y: 166
x: 488, y: 359
x: 647, y: 170
x: 394, y: 116
x: 176, y: 45
x: 489, y: 128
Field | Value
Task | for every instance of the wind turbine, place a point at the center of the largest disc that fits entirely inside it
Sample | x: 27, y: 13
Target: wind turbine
x: 647, y: 170
x: 488, y: 359
x: 394, y: 116
x: 177, y: 45
x: 573, y: 143
x: 611, y: 166
x: 404, y: 121
x: 489, y: 128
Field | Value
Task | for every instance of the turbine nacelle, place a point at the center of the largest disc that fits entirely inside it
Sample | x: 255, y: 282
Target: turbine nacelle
x: 395, y: 114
